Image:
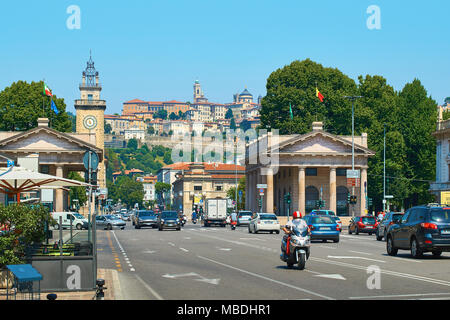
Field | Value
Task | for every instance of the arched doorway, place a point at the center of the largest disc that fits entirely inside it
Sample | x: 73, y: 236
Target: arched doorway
x: 342, y: 201
x: 311, y: 196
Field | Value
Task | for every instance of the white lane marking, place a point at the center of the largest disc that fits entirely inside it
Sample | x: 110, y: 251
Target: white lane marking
x: 326, y: 247
x: 266, y: 278
x: 258, y: 239
x: 149, y: 251
x: 192, y: 274
x: 225, y: 249
x: 388, y: 272
x: 331, y: 276
x: 183, y: 249
x: 406, y: 260
x: 172, y: 244
x: 155, y: 294
x: 124, y: 253
x: 360, y: 258
x: 369, y: 254
x: 402, y: 295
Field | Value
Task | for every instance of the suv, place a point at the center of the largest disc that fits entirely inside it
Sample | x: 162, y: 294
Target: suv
x: 145, y: 218
x: 169, y: 219
x: 364, y: 224
x: 389, y: 219
x: 421, y: 229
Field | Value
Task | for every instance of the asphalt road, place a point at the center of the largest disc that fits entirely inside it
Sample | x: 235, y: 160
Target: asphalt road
x: 199, y: 263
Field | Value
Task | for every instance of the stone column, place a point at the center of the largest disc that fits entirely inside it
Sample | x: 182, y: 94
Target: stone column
x: 333, y: 199
x: 247, y: 196
x: 363, y: 193
x: 59, y: 193
x: 301, y: 190
x: 269, y: 195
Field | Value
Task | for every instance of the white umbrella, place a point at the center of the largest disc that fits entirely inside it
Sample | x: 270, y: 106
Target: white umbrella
x: 15, y: 180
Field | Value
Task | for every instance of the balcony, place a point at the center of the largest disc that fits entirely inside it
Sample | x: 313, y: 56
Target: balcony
x: 87, y: 86
x: 443, y: 125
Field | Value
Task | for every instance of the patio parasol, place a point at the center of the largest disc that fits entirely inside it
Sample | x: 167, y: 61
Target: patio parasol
x: 15, y: 180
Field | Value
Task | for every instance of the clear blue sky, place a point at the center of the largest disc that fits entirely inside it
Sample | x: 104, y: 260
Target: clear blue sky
x: 155, y: 50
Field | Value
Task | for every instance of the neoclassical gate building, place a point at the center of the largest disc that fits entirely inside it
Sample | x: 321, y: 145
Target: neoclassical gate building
x: 309, y: 167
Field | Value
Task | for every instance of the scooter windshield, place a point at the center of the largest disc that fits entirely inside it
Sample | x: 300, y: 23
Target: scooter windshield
x: 299, y: 233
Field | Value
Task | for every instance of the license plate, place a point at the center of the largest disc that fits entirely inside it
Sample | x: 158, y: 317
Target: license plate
x: 445, y: 231
x: 325, y: 228
x: 369, y: 227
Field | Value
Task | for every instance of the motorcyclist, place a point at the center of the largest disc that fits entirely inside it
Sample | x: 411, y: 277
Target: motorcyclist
x: 233, y: 218
x: 296, y: 223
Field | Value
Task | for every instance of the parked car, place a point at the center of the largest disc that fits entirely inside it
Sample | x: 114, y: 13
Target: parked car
x: 126, y: 217
x: 146, y: 218
x: 78, y: 221
x: 323, y: 228
x: 109, y: 222
x: 322, y: 212
x: 244, y: 217
x: 421, y: 229
x: 264, y: 222
x: 363, y: 224
x: 389, y: 219
x: 169, y: 219
x: 338, y: 221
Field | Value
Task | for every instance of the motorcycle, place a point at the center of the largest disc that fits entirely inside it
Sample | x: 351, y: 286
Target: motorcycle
x: 233, y: 225
x: 194, y: 220
x: 299, y: 249
x: 183, y: 220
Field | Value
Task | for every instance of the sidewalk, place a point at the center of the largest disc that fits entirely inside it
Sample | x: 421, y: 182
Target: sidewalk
x: 111, y: 293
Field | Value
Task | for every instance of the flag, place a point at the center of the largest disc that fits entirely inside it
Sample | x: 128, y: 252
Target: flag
x: 54, y: 108
x: 319, y: 95
x: 290, y: 110
x: 47, y: 91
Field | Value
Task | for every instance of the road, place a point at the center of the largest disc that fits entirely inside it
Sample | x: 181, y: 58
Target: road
x: 199, y: 263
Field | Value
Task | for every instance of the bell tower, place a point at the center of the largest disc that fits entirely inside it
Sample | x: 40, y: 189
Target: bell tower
x: 90, y: 113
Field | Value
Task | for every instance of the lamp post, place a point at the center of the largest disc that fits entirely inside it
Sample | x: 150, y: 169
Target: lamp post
x: 353, y: 99
x: 384, y: 167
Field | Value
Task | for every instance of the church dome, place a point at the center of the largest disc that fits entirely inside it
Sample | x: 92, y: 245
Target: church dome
x: 245, y: 93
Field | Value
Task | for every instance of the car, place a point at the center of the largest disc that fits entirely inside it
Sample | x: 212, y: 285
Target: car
x: 264, y: 222
x: 338, y: 221
x: 323, y: 228
x: 169, y: 219
x: 422, y: 229
x: 109, y: 222
x: 244, y: 217
x: 389, y: 219
x: 323, y: 212
x: 126, y: 217
x: 363, y: 224
x: 78, y: 221
x: 145, y: 218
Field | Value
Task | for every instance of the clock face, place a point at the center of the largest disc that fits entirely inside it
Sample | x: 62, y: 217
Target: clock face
x: 90, y: 122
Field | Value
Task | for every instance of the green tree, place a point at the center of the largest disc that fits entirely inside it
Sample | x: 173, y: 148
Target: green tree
x: 233, y: 124
x: 160, y: 114
x: 173, y: 116
x: 231, y: 193
x: 23, y: 103
x: 132, y: 144
x: 77, y: 192
x: 229, y: 114
x: 127, y: 190
x: 150, y: 130
x: 108, y: 128
x: 161, y: 189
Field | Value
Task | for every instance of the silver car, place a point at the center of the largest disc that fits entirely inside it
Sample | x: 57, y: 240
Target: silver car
x: 244, y: 217
x: 109, y: 222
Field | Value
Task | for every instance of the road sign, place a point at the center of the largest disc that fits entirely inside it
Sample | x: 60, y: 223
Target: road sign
x: 240, y: 192
x: 261, y: 186
x: 261, y: 191
x: 353, y: 182
x: 94, y: 160
x: 389, y: 197
x: 353, y: 174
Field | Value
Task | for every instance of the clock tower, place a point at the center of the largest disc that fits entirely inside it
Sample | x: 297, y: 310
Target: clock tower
x: 90, y: 113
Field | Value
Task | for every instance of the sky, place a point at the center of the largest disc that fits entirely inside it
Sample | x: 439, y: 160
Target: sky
x: 155, y: 50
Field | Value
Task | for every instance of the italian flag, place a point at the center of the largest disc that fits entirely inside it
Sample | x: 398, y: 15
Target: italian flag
x: 47, y: 91
x: 319, y: 95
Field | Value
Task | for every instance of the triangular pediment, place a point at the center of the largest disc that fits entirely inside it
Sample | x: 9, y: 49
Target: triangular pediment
x: 320, y: 142
x: 45, y: 139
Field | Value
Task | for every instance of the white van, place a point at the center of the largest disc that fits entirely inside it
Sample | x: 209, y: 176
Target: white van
x: 78, y: 221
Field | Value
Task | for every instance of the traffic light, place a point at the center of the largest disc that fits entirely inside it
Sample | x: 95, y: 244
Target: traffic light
x: 353, y: 200
x: 348, y: 198
x: 370, y: 202
x: 287, y: 198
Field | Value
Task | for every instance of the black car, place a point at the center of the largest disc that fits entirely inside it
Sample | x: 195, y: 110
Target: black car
x: 145, y: 218
x: 389, y: 219
x: 421, y: 229
x: 169, y: 219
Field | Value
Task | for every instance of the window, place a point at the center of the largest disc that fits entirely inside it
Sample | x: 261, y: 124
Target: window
x: 198, y: 188
x: 218, y: 188
x: 311, y: 171
x: 341, y: 172
x: 90, y: 97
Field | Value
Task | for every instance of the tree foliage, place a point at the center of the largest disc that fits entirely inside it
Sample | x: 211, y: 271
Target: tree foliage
x: 409, y: 115
x: 23, y: 103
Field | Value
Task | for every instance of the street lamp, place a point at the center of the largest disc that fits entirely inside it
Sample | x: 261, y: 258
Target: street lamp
x: 384, y: 168
x: 353, y: 99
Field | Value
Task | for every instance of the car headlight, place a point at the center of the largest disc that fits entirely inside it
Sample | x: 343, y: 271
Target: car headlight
x: 162, y: 220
